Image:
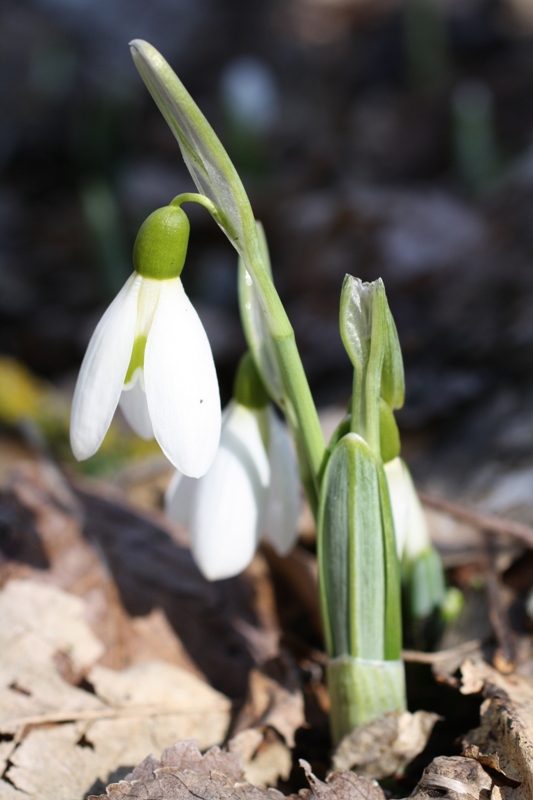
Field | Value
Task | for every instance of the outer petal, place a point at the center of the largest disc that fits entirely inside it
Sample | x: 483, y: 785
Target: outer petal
x: 103, y: 371
x: 179, y: 498
x: 135, y: 408
x: 229, y: 501
x: 400, y: 496
x: 283, y: 501
x: 181, y: 383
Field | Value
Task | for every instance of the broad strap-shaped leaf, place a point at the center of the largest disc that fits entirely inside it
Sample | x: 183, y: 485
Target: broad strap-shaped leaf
x: 351, y: 552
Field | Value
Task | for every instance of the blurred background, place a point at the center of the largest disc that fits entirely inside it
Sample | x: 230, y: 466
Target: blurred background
x: 388, y: 138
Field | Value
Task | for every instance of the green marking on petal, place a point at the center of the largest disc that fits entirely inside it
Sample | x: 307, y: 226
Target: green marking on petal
x: 137, y: 358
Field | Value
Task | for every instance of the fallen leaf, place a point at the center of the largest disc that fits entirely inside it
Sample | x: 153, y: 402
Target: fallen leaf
x: 145, y: 598
x: 265, y: 757
x: 504, y: 740
x: 455, y: 778
x: 386, y: 745
x: 36, y: 621
x: 272, y: 761
x: 274, y: 699
x: 184, y: 774
x: 73, y: 739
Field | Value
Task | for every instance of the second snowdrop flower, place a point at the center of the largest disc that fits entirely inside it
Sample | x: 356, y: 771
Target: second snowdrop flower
x: 150, y: 352
x: 251, y: 489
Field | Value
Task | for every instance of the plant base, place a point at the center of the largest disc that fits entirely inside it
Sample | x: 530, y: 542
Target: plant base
x: 361, y: 690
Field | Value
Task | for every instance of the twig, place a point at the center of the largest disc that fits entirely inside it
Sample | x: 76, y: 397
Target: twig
x: 504, y: 658
x: 418, y: 657
x: 103, y: 713
x: 60, y: 488
x: 486, y: 523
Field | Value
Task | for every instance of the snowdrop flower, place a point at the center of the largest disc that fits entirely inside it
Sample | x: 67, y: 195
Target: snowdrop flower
x: 251, y: 489
x: 150, y: 353
x: 422, y: 571
x: 412, y: 537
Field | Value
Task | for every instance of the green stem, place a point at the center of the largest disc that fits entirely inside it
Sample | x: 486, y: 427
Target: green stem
x: 357, y: 422
x: 299, y: 406
x: 393, y: 600
x: 362, y: 690
x: 202, y: 200
x: 302, y: 410
x: 374, y: 369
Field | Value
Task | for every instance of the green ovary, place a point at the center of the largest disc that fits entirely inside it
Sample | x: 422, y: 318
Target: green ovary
x: 161, y: 244
x: 137, y: 358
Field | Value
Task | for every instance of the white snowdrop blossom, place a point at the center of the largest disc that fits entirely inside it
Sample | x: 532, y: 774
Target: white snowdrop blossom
x: 150, y: 353
x: 410, y: 526
x: 250, y: 490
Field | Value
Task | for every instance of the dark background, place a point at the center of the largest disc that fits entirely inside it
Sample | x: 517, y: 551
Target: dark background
x: 398, y: 143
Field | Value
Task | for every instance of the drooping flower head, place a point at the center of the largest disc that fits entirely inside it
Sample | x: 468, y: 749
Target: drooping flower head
x: 251, y: 489
x: 150, y: 352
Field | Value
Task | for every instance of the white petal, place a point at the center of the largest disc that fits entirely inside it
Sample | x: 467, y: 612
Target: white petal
x: 417, y: 539
x: 283, y: 502
x: 229, y: 501
x: 181, y: 383
x: 179, y: 498
x: 103, y: 371
x: 399, y: 494
x: 135, y: 408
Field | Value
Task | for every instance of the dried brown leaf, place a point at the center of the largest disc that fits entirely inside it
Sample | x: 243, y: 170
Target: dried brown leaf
x: 134, y: 570
x: 455, y: 778
x: 274, y: 699
x: 36, y: 621
x: 184, y: 774
x: 272, y: 761
x: 504, y: 740
x: 385, y: 745
x: 266, y: 758
x: 73, y: 739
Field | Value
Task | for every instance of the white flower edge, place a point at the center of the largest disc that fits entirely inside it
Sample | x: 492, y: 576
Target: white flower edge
x: 229, y: 501
x: 280, y: 523
x: 103, y: 371
x: 410, y: 525
x: 181, y: 383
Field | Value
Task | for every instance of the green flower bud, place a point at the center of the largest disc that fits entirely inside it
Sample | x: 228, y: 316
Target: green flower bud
x: 248, y: 389
x: 161, y: 244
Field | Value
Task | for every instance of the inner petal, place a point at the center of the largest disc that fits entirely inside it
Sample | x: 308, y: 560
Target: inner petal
x: 147, y: 301
x: 134, y: 406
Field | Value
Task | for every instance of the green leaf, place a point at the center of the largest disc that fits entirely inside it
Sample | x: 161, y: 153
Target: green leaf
x: 356, y: 305
x: 392, y: 376
x: 364, y: 314
x: 389, y: 435
x: 258, y: 337
x: 393, y: 600
x: 369, y: 335
x: 351, y: 552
